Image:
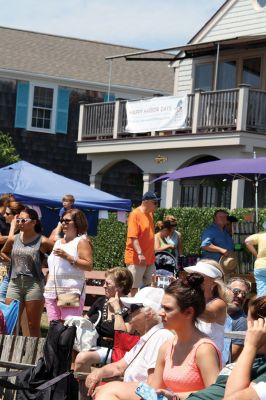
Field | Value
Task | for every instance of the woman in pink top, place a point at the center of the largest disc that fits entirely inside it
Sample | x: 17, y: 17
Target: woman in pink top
x: 190, y: 361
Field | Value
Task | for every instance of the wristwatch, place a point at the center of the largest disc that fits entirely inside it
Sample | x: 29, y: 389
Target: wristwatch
x: 139, y: 253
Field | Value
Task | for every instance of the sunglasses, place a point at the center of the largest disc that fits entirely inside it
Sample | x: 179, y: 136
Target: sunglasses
x: 22, y: 220
x: 237, y: 291
x: 65, y: 221
x: 135, y: 307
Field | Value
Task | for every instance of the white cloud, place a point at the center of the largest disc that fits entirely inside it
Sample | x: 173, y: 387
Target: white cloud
x: 136, y: 23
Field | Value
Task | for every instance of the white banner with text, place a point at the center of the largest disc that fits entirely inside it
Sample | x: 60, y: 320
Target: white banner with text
x: 156, y: 114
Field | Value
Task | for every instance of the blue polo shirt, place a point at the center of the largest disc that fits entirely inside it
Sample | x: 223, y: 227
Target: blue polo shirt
x: 214, y: 235
x: 239, y: 323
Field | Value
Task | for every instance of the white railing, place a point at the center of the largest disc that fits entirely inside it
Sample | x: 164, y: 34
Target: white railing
x: 238, y: 109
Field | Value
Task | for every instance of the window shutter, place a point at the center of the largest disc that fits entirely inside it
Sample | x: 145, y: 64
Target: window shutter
x: 62, y: 110
x: 23, y: 89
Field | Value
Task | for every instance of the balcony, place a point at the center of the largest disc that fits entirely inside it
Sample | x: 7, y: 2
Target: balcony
x: 241, y: 110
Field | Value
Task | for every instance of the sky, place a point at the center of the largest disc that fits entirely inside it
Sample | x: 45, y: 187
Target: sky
x: 147, y: 24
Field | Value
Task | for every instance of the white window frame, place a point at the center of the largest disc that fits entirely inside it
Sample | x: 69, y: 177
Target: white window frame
x: 30, y: 108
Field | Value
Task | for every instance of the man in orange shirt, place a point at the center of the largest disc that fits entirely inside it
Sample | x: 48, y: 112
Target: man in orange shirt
x: 139, y: 254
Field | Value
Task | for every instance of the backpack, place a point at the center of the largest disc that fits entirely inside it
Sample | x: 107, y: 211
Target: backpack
x: 51, y: 378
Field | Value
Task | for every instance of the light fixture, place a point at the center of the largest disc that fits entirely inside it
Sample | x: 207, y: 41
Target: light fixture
x: 160, y: 159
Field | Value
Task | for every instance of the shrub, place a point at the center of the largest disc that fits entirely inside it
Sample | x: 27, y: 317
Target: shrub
x: 109, y: 244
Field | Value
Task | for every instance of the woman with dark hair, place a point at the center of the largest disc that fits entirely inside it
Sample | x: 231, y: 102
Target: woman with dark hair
x: 26, y: 277
x: 160, y: 243
x: 13, y: 208
x: 71, y: 256
x: 190, y: 361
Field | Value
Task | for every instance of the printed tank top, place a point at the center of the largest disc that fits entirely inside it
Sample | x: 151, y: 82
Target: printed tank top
x: 26, y: 258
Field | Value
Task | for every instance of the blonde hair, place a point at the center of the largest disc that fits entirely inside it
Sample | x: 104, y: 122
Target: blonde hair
x: 69, y: 197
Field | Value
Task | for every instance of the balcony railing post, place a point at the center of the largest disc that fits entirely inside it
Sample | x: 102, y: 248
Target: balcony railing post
x: 242, y: 111
x: 81, y: 127
x: 195, y: 114
x: 116, y: 119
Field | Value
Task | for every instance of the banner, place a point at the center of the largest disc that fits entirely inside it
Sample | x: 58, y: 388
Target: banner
x: 156, y: 114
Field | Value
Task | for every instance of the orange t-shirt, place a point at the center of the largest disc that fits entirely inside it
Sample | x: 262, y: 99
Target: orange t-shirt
x: 141, y: 227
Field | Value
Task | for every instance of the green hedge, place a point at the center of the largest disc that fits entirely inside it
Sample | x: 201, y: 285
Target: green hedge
x: 109, y: 244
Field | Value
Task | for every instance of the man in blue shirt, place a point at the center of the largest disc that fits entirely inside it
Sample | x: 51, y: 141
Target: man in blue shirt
x: 240, y: 287
x: 215, y: 239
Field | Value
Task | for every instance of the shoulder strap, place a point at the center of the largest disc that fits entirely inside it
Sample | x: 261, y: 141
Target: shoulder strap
x: 144, y: 344
x: 8, y: 385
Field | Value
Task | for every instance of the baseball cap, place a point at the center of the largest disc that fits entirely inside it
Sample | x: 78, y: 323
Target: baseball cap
x: 150, y: 196
x: 148, y: 297
x: 205, y: 269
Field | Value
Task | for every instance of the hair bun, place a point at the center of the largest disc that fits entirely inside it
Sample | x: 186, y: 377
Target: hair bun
x: 195, y: 280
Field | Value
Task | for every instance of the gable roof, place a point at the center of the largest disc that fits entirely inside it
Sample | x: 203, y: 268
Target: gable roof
x: 78, y: 59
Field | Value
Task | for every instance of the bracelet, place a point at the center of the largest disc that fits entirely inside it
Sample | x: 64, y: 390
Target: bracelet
x: 139, y: 253
x: 73, y: 262
x: 118, y: 313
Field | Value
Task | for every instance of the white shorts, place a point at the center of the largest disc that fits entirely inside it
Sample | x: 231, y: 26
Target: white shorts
x: 102, y: 352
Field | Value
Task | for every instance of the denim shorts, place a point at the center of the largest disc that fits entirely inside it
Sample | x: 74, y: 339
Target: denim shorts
x: 25, y: 288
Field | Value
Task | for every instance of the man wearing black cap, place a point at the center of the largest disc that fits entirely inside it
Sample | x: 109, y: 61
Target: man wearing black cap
x: 139, y: 253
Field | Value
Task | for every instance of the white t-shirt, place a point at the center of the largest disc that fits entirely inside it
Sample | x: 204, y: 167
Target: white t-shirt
x: 137, y: 371
x: 260, y: 389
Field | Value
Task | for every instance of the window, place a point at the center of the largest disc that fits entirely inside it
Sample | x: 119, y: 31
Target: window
x: 251, y: 72
x: 42, y: 108
x: 226, y: 75
x: 203, y: 76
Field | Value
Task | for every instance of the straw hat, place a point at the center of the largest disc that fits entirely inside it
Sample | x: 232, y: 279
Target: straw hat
x: 229, y: 262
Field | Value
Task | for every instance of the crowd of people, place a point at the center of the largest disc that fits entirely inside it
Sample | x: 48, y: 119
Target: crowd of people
x: 171, y: 338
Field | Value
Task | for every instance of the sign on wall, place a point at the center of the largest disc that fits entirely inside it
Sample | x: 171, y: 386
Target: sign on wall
x: 156, y: 114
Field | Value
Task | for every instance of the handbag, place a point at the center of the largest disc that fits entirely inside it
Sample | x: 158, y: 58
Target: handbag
x: 123, y: 342
x: 86, y: 333
x: 68, y: 300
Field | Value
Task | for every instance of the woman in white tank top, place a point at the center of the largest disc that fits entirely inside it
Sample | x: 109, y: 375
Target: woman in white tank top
x: 71, y: 256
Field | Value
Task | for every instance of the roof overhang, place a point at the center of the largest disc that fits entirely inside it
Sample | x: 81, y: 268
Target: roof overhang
x: 195, y: 49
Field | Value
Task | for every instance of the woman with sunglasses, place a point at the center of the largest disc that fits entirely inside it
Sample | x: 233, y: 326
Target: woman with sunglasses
x: 118, y: 282
x: 13, y: 208
x: 26, y: 278
x: 71, y: 256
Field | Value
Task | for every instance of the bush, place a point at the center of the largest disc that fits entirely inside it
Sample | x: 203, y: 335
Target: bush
x: 109, y: 244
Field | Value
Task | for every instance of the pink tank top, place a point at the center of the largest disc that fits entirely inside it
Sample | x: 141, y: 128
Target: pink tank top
x: 185, y: 377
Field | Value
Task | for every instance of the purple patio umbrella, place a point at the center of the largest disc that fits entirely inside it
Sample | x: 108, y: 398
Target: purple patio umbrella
x: 251, y: 169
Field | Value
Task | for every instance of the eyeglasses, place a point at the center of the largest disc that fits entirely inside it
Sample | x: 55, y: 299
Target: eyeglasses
x: 22, y: 220
x: 237, y: 292
x: 65, y: 221
x: 135, y: 307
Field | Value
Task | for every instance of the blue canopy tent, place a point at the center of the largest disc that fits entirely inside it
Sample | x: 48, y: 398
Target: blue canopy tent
x: 33, y: 185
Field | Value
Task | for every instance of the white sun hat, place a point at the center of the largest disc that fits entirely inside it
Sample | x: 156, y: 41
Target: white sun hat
x: 148, y: 296
x: 206, y: 269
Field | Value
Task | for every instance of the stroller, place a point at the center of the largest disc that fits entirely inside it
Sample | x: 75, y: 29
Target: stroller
x: 166, y: 264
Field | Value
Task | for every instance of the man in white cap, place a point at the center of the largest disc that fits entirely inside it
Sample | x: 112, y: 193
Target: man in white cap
x: 139, y: 362
x: 139, y: 252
